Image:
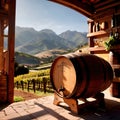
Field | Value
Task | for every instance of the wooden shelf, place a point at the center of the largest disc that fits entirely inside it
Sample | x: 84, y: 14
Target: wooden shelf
x: 116, y: 66
x: 98, y: 50
x: 116, y: 79
x: 102, y: 32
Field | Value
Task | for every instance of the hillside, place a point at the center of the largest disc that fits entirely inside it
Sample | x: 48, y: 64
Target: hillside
x: 38, y: 59
x: 26, y: 59
x: 43, y: 57
x: 50, y: 53
x: 30, y: 41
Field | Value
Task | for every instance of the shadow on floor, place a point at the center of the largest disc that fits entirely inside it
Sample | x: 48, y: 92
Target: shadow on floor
x: 3, y: 105
x: 110, y: 112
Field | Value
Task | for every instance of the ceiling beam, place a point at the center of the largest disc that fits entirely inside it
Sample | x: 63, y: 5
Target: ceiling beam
x: 77, y: 5
x: 107, y: 6
x: 102, y: 3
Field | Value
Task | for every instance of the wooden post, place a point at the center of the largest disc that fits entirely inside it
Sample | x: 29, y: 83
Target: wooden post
x: 1, y: 46
x: 11, y: 45
x: 90, y: 25
x: 91, y: 43
x: 33, y: 82
x: 44, y: 84
x: 22, y: 84
x: 28, y: 87
x: 17, y: 84
x: 38, y: 85
x: 3, y: 77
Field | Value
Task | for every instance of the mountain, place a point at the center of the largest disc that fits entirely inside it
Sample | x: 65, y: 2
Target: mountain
x: 77, y: 37
x: 24, y: 35
x: 30, y: 41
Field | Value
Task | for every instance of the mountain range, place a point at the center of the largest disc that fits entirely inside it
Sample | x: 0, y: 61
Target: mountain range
x: 38, y: 47
x: 30, y: 41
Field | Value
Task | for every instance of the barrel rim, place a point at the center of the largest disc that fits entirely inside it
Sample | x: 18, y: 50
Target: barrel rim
x: 51, y: 78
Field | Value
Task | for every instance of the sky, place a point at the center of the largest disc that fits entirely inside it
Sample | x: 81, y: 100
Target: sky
x: 43, y: 14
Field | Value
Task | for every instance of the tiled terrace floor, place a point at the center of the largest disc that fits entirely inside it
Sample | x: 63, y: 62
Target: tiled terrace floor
x: 44, y: 109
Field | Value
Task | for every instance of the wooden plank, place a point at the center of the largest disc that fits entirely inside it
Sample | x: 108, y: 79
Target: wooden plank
x: 103, y: 3
x: 97, y: 50
x: 108, y: 6
x: 11, y: 42
x: 1, y: 45
x: 102, y: 32
x: 3, y: 88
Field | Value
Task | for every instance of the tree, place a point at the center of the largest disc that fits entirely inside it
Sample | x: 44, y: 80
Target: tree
x: 20, y: 69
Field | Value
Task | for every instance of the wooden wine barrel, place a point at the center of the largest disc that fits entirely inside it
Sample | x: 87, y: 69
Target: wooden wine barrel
x: 79, y: 75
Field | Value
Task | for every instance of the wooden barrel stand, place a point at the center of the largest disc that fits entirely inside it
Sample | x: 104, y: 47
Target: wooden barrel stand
x: 76, y: 107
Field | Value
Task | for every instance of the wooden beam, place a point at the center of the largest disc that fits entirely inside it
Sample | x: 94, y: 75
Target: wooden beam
x: 108, y: 6
x: 11, y: 42
x: 102, y: 3
x: 84, y: 9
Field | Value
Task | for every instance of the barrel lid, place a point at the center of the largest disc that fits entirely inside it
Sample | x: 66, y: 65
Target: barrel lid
x: 63, y: 76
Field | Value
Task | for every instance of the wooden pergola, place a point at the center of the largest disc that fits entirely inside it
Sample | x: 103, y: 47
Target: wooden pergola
x: 96, y: 10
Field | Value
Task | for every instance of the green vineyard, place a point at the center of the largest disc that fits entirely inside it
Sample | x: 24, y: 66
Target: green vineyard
x: 35, y: 81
